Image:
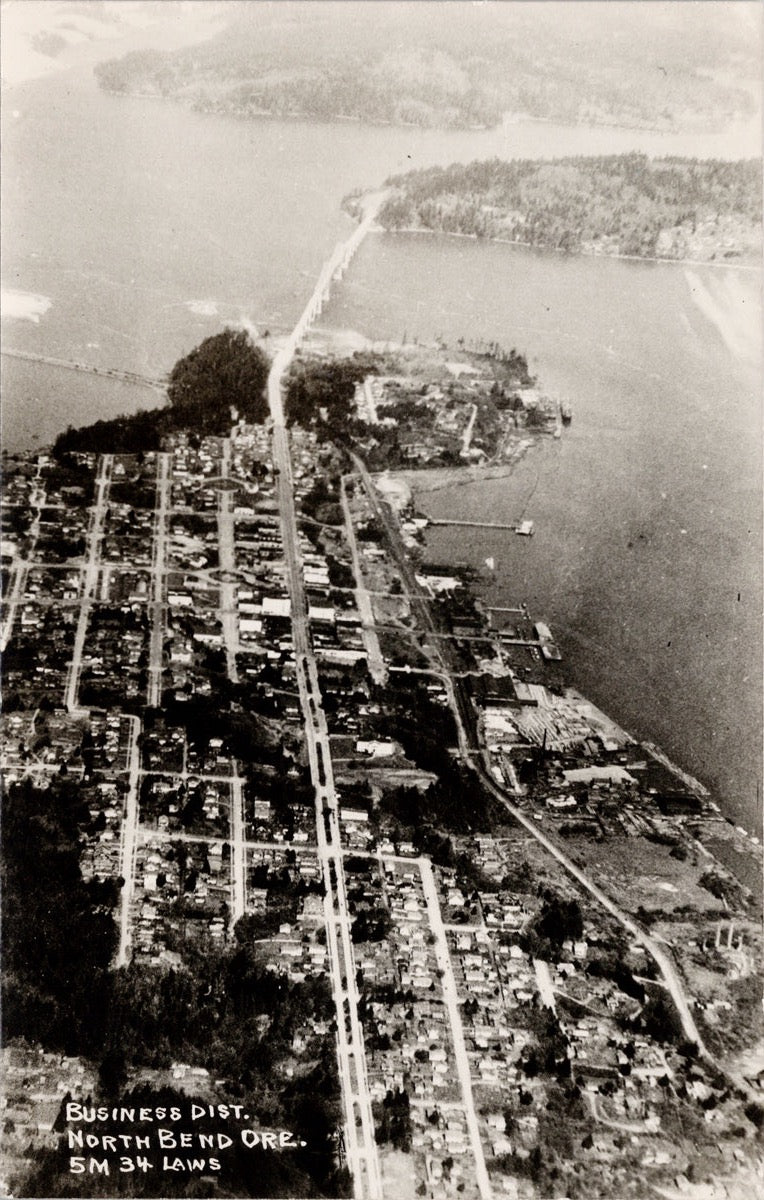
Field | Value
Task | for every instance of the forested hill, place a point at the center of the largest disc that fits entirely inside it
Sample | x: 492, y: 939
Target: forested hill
x: 623, y: 204
x: 224, y: 374
x: 676, y: 66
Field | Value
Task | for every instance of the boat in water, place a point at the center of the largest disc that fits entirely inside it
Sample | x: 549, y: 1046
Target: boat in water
x: 546, y: 642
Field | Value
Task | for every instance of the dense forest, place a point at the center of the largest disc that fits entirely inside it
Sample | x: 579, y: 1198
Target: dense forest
x: 463, y: 68
x: 58, y: 932
x: 225, y: 372
x: 621, y: 204
x: 319, y: 393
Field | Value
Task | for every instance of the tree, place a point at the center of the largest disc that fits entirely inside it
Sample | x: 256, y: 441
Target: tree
x: 226, y: 371
x: 112, y: 1074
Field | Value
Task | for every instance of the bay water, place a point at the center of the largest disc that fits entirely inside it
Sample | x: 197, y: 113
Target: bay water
x: 143, y: 227
x: 646, y: 557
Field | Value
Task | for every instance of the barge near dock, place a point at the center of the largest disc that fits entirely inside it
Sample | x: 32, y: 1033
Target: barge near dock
x: 546, y: 642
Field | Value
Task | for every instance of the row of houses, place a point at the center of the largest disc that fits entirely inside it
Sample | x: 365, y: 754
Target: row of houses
x: 409, y: 1044
x: 182, y: 894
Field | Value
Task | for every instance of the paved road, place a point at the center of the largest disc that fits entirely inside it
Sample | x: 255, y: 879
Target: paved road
x: 376, y: 661
x: 94, y: 536
x: 158, y: 572
x: 128, y: 843
x: 238, y: 852
x: 360, y: 1142
x: 319, y: 758
x: 451, y: 998
x: 227, y: 561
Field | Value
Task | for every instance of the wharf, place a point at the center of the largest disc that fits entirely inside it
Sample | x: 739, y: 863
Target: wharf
x: 523, y: 527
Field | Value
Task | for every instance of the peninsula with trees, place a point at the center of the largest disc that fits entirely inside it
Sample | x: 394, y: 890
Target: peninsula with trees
x: 628, y: 205
x: 395, y: 64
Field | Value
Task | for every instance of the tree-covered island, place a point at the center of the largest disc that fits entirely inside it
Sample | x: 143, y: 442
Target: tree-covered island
x: 632, y: 205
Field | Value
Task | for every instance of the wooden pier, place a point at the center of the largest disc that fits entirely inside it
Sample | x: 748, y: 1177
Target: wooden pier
x: 512, y: 527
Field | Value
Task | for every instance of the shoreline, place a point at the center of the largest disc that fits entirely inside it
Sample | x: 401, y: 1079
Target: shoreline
x: 426, y: 481
x: 637, y: 258
x: 421, y: 482
x: 435, y: 479
x: 507, y: 120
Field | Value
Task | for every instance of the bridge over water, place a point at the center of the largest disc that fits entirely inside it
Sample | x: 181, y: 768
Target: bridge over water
x: 132, y: 377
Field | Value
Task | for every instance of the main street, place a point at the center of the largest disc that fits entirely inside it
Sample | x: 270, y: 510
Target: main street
x: 361, y: 1150
x: 238, y: 852
x: 229, y: 620
x: 360, y: 1141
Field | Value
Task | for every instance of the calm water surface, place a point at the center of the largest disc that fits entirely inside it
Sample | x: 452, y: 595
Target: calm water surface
x: 148, y: 226
x: 646, y: 558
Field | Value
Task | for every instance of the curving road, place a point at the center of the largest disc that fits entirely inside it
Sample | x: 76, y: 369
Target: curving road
x: 659, y: 955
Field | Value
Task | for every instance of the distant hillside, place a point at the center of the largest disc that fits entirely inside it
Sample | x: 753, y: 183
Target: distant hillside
x: 667, y: 66
x: 41, y: 38
x: 623, y: 204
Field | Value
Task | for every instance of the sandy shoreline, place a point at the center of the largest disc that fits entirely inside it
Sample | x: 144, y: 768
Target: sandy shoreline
x: 434, y: 479
x: 23, y: 306
x: 85, y: 37
x: 724, y: 303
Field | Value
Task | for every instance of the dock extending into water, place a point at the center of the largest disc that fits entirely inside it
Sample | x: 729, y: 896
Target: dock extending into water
x: 522, y: 527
